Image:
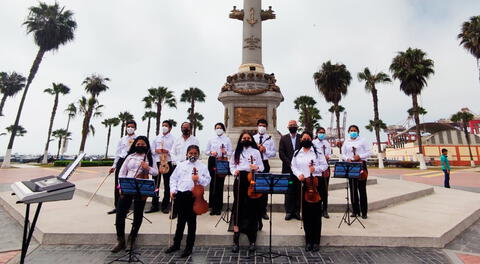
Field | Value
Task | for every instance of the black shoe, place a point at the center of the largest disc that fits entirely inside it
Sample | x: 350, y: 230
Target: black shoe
x: 315, y: 248
x: 187, y: 252
x: 218, y: 212
x: 235, y: 248
x: 173, y: 216
x: 153, y: 209
x: 172, y: 249
x: 364, y: 216
x: 260, y: 226
x: 308, y: 247
x: 252, y: 248
x: 165, y: 210
x: 212, y: 212
x: 325, y: 214
x: 297, y: 216
x: 120, y: 245
x: 113, y: 211
x: 265, y: 216
x: 288, y: 217
x: 353, y: 215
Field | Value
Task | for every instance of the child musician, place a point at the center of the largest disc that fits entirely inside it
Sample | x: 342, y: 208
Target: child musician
x: 138, y: 164
x: 186, y: 175
x: 246, y: 210
x: 357, y: 149
x: 307, y: 162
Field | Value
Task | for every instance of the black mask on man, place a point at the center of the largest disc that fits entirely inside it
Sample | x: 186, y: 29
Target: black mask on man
x: 293, y: 129
x: 186, y: 131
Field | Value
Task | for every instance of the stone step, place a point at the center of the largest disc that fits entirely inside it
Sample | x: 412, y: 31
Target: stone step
x: 428, y: 221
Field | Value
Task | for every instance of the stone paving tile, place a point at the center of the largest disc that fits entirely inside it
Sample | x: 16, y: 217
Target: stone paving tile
x: 7, y: 256
x: 11, y: 233
x: 468, y: 241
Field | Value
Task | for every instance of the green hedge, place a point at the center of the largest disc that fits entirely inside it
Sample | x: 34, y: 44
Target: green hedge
x: 85, y: 163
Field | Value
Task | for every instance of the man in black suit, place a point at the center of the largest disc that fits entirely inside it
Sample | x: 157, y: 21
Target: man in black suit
x: 287, y: 146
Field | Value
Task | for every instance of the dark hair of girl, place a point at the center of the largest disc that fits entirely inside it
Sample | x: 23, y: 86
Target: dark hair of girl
x: 193, y: 147
x: 239, y: 148
x: 221, y: 125
x: 354, y: 126
x: 313, y: 146
x: 149, y: 153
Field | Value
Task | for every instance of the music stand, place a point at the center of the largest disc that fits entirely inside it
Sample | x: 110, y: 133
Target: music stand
x: 271, y: 183
x: 223, y: 167
x: 348, y: 170
x: 137, y: 187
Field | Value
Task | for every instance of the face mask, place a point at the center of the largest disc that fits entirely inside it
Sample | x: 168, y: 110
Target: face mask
x: 353, y: 134
x: 130, y: 130
x: 192, y: 158
x: 186, y: 132
x: 246, y: 143
x: 321, y: 136
x: 306, y: 143
x: 141, y: 149
x: 164, y: 130
x: 262, y: 130
x: 293, y: 129
x: 219, y: 131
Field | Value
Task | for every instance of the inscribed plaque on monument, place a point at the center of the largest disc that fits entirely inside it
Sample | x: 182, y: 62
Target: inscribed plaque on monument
x: 248, y: 116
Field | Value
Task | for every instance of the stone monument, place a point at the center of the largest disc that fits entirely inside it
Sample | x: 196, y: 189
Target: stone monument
x: 251, y: 94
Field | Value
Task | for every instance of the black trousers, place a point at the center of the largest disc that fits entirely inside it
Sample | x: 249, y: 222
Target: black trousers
x: 246, y: 211
x: 312, y: 220
x: 166, y: 187
x: 123, y: 206
x: 358, y: 196
x: 184, y: 203
x: 323, y: 189
x: 116, y: 192
x: 292, y: 198
x: 215, y: 195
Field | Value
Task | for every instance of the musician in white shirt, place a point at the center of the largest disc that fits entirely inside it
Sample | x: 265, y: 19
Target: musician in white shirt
x: 162, y: 145
x: 123, y: 147
x: 218, y: 147
x: 357, y: 149
x: 322, y: 145
x: 246, y: 210
x: 308, y: 164
x: 180, y: 145
x: 187, y: 173
x: 138, y: 163
x: 266, y: 146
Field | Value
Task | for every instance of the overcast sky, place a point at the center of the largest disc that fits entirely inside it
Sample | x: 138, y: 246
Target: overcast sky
x: 183, y: 43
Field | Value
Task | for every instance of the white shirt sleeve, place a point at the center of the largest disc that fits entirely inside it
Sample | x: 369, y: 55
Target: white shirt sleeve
x: 259, y: 161
x: 295, y: 170
x: 204, y: 177
x: 229, y: 147
x: 320, y: 164
x: 344, y: 151
x: 117, y: 154
x: 207, y: 149
x: 233, y: 165
x: 174, y: 179
x: 270, y: 150
x: 366, y: 153
x: 124, y: 169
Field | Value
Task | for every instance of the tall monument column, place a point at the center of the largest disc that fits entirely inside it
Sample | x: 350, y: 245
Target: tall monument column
x: 251, y: 94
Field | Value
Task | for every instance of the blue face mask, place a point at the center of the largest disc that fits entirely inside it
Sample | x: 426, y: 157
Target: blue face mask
x: 353, y: 134
x: 321, y: 136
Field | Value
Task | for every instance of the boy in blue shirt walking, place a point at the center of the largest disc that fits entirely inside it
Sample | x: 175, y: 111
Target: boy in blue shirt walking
x: 445, y: 167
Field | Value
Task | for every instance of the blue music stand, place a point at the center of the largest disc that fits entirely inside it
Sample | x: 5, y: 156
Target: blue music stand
x: 222, y: 167
x: 348, y: 170
x: 134, y: 186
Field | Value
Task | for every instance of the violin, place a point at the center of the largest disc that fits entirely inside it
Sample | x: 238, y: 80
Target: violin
x: 143, y: 174
x: 200, y: 206
x: 311, y: 185
x: 251, y: 187
x: 363, y: 172
x: 163, y: 168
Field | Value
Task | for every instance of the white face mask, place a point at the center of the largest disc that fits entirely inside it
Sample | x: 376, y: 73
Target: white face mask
x: 164, y: 130
x: 130, y: 130
x: 219, y: 131
x: 262, y: 130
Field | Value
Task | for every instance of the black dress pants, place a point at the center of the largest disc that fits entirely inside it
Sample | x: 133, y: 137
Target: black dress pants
x: 123, y: 206
x: 116, y: 192
x: 184, y: 203
x: 292, y: 198
x: 358, y: 195
x: 215, y: 196
x: 166, y: 187
x: 323, y: 189
x: 312, y: 220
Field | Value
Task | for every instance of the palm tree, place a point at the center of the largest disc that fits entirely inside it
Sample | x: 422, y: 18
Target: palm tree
x: 124, y: 117
x: 465, y: 118
x: 20, y: 131
x: 173, y: 122
x: 332, y: 80
x: 51, y: 26
x: 10, y: 84
x: 470, y: 37
x: 370, y: 86
x: 158, y: 97
x: 56, y: 90
x: 309, y: 113
x: 109, y: 122
x: 420, y: 110
x: 62, y: 135
x: 148, y: 116
x: 412, y: 68
x: 192, y: 95
x: 197, y: 122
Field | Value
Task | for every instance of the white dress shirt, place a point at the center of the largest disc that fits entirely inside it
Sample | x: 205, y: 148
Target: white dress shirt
x: 163, y: 142
x: 362, y: 148
x: 215, y: 144
x: 244, y: 162
x: 268, y: 143
x: 179, y: 148
x: 181, y: 179
x: 319, y: 144
x: 123, y: 147
x: 131, y: 165
x: 302, y: 161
